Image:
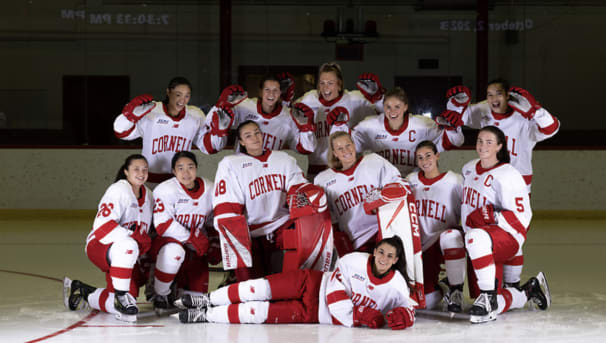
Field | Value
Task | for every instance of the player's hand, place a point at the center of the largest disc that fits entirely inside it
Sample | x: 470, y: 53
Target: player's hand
x: 233, y: 94
x: 303, y: 116
x: 287, y: 86
x: 481, y: 217
x: 138, y: 107
x: 522, y: 101
x: 370, y: 86
x: 338, y: 116
x: 452, y: 118
x: 222, y: 120
x: 400, y: 318
x: 142, y: 238
x: 460, y: 96
x: 198, y: 241
x: 365, y: 315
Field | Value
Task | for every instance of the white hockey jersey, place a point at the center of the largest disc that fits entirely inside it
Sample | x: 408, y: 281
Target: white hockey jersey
x: 522, y: 134
x: 164, y: 135
x: 256, y: 187
x: 279, y: 129
x: 438, y: 203
x: 347, y: 189
x: 353, y: 284
x: 178, y: 210
x: 398, y: 147
x: 358, y: 108
x: 120, y: 212
x: 504, y: 188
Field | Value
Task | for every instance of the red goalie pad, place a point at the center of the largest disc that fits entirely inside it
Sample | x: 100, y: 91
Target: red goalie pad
x: 309, y: 245
x: 235, y: 242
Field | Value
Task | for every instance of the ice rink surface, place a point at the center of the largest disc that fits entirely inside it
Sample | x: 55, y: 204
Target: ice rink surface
x: 35, y: 255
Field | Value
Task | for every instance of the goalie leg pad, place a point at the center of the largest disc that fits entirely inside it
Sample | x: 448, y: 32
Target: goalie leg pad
x: 236, y: 246
x: 309, y: 245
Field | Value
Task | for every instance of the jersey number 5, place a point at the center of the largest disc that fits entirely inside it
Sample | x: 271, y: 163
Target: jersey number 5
x: 519, y: 204
x: 220, y: 189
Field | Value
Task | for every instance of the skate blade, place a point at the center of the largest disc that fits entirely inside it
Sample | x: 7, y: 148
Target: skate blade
x: 179, y: 304
x: 67, y: 283
x: 483, y: 319
x: 545, y: 287
x: 165, y: 312
x: 130, y: 318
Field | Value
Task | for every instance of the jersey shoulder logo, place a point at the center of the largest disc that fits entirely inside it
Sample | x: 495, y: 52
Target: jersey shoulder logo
x: 246, y: 164
x: 380, y: 136
x: 358, y: 277
x: 162, y: 121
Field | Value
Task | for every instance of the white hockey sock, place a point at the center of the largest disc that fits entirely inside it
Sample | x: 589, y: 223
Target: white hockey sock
x: 511, y: 298
x: 453, y: 250
x: 122, y: 257
x: 254, y: 312
x: 103, y: 300
x: 250, y: 290
x: 169, y: 260
x: 479, y: 248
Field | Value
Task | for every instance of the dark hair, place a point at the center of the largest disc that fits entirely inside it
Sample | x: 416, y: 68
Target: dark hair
x: 504, y: 83
x: 129, y: 160
x: 331, y: 67
x: 503, y: 154
x: 178, y: 155
x: 242, y: 148
x: 428, y: 144
x: 397, y: 93
x: 177, y: 81
x: 400, y: 265
x: 268, y: 77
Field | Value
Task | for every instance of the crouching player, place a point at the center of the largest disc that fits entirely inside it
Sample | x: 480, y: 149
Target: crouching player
x: 364, y: 290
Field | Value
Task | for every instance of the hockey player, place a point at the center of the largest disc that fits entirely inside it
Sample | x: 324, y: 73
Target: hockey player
x: 438, y: 200
x: 359, y: 292
x: 495, y: 213
x: 253, y: 207
x: 524, y: 122
x: 280, y: 129
x: 166, y: 127
x: 347, y: 183
x: 395, y: 133
x: 330, y: 101
x: 119, y: 236
x: 182, y: 216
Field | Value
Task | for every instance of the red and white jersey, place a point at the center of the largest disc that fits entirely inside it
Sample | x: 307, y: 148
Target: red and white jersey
x: 504, y: 188
x: 522, y: 134
x: 398, y: 147
x: 438, y: 203
x: 352, y: 283
x: 163, y: 136
x: 178, y: 210
x: 279, y: 129
x: 347, y: 189
x: 256, y: 187
x: 119, y: 211
x: 355, y: 103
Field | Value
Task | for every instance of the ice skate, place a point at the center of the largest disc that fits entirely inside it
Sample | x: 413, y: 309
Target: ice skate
x: 193, y: 315
x: 454, y: 299
x: 126, y: 306
x: 193, y: 301
x: 163, y: 304
x: 537, y: 291
x: 75, y: 294
x: 485, y: 308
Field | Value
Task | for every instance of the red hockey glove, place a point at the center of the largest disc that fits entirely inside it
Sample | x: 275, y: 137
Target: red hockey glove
x: 460, y: 96
x: 523, y: 102
x: 306, y: 200
x: 233, y: 94
x: 303, y: 116
x: 394, y: 191
x: 198, y: 241
x: 287, y: 86
x: 142, y: 238
x: 138, y: 107
x: 370, y: 86
x: 338, y: 116
x: 364, y: 315
x: 481, y: 217
x: 400, y: 318
x: 452, y: 118
x: 222, y: 120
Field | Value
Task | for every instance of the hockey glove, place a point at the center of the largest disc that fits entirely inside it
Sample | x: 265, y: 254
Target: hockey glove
x: 452, y: 118
x: 198, y: 241
x: 287, y: 86
x: 460, y: 96
x: 523, y: 102
x: 306, y: 200
x: 338, y: 116
x: 303, y: 116
x: 481, y: 217
x: 222, y: 120
x: 400, y: 318
x: 395, y: 191
x: 364, y: 315
x: 233, y: 94
x: 138, y: 107
x: 370, y: 86
x: 142, y: 238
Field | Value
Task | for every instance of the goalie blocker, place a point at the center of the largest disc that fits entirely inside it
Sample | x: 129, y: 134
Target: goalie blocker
x: 396, y: 213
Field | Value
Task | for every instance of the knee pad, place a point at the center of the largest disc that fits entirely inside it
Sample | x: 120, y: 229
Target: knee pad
x: 123, y: 253
x: 478, y: 243
x: 451, y: 239
x: 170, y: 254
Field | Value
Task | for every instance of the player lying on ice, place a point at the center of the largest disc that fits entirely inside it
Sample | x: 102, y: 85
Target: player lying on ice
x: 363, y: 290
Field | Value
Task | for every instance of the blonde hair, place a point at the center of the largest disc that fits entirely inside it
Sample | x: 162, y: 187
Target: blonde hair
x: 333, y: 161
x: 331, y: 67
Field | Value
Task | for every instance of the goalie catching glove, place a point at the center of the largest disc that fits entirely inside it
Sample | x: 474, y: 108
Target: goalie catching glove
x: 394, y: 191
x: 233, y: 94
x: 138, y: 107
x: 523, y: 102
x: 303, y: 116
x: 305, y: 200
x: 370, y: 86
